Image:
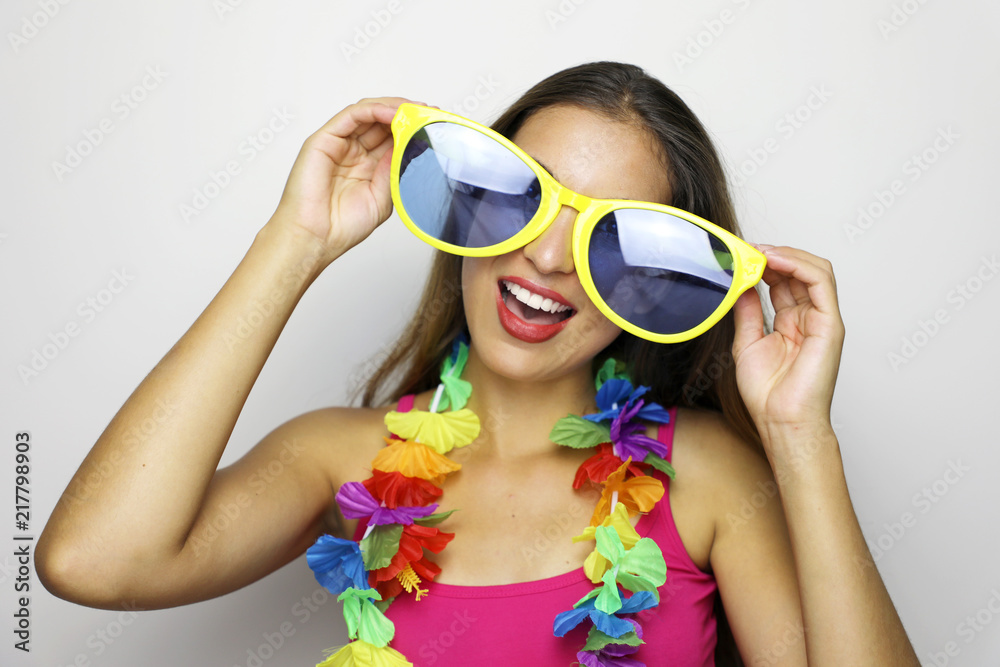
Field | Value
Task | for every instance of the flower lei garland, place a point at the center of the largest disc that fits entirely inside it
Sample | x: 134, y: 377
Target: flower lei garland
x: 407, y: 475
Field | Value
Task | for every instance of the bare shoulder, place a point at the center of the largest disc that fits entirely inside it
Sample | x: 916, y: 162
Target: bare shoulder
x: 711, y: 450
x: 341, y: 441
x: 717, y: 473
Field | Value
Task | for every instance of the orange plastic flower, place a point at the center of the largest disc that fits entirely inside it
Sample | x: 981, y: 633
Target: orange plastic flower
x: 639, y: 494
x: 414, y: 460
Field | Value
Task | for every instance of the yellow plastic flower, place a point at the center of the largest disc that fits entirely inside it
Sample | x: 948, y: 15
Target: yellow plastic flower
x: 363, y: 654
x: 414, y: 459
x: 639, y: 494
x: 441, y: 431
x: 596, y: 565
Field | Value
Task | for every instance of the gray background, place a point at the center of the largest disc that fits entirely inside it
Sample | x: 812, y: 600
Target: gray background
x: 868, y: 84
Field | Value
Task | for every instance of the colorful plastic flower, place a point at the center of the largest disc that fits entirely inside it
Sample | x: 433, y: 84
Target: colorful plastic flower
x: 357, y: 503
x: 596, y: 564
x: 628, y: 435
x: 638, y: 494
x: 394, y: 489
x: 608, y: 623
x: 607, y: 652
x: 414, y: 460
x: 441, y: 431
x: 410, y: 560
x: 363, y: 654
x: 639, y: 568
x: 337, y: 564
x: 364, y: 620
x: 456, y: 391
x: 616, y: 395
x: 597, y: 468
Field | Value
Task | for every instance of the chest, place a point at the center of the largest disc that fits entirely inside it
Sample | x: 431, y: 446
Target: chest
x: 514, y: 523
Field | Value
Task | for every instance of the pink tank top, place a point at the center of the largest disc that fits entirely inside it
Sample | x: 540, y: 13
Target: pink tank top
x: 512, y: 624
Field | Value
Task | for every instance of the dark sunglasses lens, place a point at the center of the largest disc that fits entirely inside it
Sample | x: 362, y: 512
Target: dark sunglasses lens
x: 465, y: 188
x: 657, y: 271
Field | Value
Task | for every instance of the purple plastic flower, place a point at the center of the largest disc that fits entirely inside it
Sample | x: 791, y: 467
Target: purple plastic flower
x: 357, y: 503
x: 613, y: 655
x: 628, y: 437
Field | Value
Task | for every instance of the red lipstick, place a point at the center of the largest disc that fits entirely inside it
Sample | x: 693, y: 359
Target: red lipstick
x: 520, y: 328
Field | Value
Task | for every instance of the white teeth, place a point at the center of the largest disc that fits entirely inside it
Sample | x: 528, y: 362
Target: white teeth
x: 536, y: 301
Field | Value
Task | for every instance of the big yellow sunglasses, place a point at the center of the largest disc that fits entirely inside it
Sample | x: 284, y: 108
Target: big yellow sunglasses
x: 656, y: 271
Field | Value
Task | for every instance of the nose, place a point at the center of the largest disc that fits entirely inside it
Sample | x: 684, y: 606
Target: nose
x: 552, y: 250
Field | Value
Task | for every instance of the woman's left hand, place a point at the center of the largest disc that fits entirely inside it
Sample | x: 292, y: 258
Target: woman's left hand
x: 787, y: 377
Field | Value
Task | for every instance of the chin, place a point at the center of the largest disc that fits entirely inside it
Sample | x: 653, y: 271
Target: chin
x: 568, y: 352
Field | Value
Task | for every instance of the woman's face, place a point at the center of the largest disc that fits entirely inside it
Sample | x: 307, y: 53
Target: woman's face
x: 596, y: 157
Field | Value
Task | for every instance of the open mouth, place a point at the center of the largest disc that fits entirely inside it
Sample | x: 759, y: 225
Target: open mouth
x: 531, y: 307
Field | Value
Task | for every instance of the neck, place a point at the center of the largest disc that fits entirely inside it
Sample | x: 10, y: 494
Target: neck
x: 518, y: 414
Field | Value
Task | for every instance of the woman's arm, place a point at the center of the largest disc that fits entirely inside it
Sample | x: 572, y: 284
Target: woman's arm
x: 796, y: 575
x: 144, y: 518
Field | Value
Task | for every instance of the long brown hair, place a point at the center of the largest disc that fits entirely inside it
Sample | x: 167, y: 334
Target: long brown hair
x: 699, y: 373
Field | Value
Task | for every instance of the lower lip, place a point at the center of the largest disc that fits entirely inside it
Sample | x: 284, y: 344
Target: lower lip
x: 526, y: 331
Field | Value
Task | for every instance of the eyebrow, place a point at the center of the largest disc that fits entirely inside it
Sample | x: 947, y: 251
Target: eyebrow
x: 544, y: 167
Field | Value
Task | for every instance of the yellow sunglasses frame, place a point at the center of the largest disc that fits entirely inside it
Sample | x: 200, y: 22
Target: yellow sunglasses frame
x: 748, y: 263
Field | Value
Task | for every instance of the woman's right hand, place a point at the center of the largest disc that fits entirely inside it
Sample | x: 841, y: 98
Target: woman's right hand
x: 338, y: 190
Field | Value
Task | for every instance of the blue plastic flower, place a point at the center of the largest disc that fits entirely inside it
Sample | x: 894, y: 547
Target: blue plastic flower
x: 609, y: 624
x: 617, y: 395
x: 337, y: 564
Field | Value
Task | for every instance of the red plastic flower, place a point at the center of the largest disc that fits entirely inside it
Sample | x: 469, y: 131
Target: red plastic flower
x: 395, y: 489
x: 414, y: 540
x: 599, y: 466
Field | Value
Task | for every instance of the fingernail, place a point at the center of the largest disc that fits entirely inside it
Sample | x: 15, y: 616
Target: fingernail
x: 763, y: 247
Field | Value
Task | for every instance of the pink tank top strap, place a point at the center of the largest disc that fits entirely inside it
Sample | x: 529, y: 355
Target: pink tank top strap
x: 665, y: 433
x: 405, y: 403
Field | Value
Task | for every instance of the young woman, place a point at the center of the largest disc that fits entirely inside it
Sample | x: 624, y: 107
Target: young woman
x: 758, y: 510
